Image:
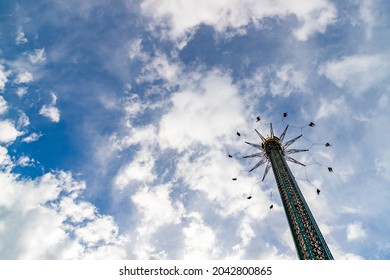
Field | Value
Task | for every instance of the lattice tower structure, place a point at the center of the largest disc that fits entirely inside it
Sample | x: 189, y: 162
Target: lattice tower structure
x: 309, y: 242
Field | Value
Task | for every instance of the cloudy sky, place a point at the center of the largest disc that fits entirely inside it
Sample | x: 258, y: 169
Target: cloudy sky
x: 117, y: 118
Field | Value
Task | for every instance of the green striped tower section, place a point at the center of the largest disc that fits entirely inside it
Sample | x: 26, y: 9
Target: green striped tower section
x: 309, y: 242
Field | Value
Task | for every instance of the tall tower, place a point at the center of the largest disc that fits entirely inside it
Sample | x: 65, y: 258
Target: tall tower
x: 309, y: 242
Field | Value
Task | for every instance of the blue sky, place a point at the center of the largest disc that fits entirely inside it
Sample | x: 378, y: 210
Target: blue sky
x: 116, y: 119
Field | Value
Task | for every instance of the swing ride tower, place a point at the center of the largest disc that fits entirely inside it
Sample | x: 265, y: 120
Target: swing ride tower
x: 309, y: 242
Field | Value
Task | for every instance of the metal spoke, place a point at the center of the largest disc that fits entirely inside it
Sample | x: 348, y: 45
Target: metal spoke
x: 294, y: 160
x: 267, y: 168
x: 261, y: 136
x: 288, y: 143
x: 283, y: 134
x: 254, y: 145
x: 293, y: 151
x: 254, y: 155
x: 262, y: 161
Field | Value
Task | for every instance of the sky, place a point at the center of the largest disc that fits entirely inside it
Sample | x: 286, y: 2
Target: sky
x: 117, y: 119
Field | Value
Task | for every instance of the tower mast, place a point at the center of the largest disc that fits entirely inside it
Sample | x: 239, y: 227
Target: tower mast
x: 309, y: 242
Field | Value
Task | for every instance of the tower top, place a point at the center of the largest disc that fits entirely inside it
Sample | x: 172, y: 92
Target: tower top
x: 270, y: 142
x: 308, y: 239
x: 271, y: 139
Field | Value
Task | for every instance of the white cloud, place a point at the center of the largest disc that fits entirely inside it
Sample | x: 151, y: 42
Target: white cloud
x: 160, y: 68
x: 200, y: 242
x: 24, y: 161
x: 367, y: 15
x: 355, y: 231
x: 23, y: 77
x: 5, y: 159
x: 329, y: 108
x: 255, y: 83
x: 357, y: 73
x: 32, y: 137
x: 140, y: 169
x: 51, y: 111
x: 382, y: 164
x: 23, y: 120
x: 40, y: 234
x: 135, y: 50
x: 287, y: 81
x: 314, y: 17
x: 102, y: 229
x: 77, y: 211
x: 361, y: 117
x: 383, y: 101
x: 53, y: 98
x: 37, y: 56
x: 21, y: 91
x: 156, y: 210
x: 183, y: 17
x: 20, y: 37
x: 198, y: 112
x: 346, y: 172
x: 134, y: 106
x: 3, y: 77
x: 338, y: 254
x: 246, y: 233
x: 146, y: 135
x: 8, y: 132
x: 47, y: 219
x: 3, y: 105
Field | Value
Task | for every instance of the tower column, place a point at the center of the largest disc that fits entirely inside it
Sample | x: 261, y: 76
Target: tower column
x: 309, y: 242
